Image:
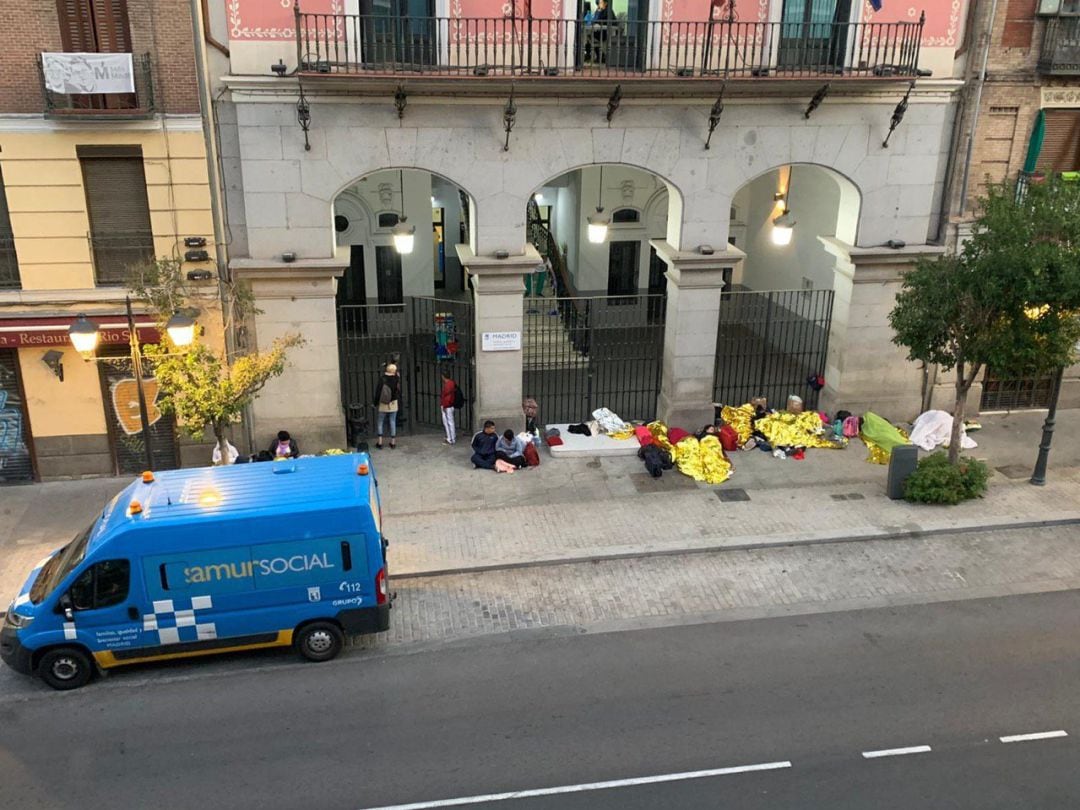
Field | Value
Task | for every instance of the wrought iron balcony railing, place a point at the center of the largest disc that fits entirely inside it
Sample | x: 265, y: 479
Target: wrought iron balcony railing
x: 359, y: 45
x: 123, y: 106
x: 1060, y: 54
x: 115, y: 254
x: 9, y: 264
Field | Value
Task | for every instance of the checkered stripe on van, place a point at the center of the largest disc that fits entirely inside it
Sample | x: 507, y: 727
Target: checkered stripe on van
x: 174, y: 625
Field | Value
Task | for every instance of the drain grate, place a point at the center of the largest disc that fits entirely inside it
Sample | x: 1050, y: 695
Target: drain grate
x: 849, y: 496
x: 1015, y: 472
x: 732, y: 495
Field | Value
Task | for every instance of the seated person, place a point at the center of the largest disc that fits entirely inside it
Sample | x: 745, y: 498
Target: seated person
x: 284, y: 446
x: 483, y: 445
x: 511, y: 449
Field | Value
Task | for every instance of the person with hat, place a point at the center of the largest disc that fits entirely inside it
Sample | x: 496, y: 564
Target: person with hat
x: 386, y: 399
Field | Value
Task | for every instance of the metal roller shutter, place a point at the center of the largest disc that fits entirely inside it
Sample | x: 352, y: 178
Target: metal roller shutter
x: 120, y: 232
x: 16, y: 461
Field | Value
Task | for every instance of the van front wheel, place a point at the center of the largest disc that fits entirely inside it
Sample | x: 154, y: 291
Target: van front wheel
x: 319, y: 641
x: 65, y: 668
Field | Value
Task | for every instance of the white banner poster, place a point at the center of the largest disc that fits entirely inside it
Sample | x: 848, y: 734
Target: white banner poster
x: 77, y: 73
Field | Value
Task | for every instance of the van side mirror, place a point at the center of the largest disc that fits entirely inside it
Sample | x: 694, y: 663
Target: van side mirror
x: 69, y: 614
x: 64, y: 605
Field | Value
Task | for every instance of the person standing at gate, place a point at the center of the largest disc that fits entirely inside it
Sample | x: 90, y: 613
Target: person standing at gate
x: 448, y: 401
x: 386, y: 399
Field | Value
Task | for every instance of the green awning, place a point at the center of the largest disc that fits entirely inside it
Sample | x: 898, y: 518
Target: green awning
x: 1038, y: 134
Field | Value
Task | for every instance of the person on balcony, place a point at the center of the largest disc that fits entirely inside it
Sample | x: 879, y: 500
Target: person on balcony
x: 602, y: 21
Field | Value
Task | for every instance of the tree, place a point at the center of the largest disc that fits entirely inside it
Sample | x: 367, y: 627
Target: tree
x: 198, y: 385
x: 1009, y: 299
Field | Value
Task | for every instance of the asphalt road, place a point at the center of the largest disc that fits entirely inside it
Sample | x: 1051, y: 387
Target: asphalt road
x: 543, y: 710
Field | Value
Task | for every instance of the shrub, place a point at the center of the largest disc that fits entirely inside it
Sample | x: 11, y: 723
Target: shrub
x: 935, y: 480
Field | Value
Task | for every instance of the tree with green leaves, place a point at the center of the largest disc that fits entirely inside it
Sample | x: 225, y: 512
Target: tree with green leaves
x: 1009, y: 299
x: 200, y: 386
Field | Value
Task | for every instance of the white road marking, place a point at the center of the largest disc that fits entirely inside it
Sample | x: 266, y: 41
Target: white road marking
x: 897, y: 752
x: 1041, y: 735
x: 555, y: 791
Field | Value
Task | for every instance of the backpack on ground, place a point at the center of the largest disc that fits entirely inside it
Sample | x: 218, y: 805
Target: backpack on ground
x: 851, y: 427
x: 459, y: 397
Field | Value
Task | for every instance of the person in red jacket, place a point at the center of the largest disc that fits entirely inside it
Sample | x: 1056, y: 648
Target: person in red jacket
x: 446, y: 405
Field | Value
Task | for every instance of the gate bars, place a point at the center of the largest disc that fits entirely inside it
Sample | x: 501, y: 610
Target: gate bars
x: 769, y: 343
x: 586, y: 352
x: 413, y: 335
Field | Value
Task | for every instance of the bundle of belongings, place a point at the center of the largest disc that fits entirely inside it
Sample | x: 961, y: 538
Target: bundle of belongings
x: 702, y: 459
x: 604, y: 422
x: 880, y: 437
x: 934, y: 429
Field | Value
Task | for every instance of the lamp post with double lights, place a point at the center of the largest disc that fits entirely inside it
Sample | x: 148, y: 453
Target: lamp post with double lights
x: 84, y: 335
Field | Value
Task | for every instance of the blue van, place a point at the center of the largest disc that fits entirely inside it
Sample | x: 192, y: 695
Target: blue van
x: 200, y: 561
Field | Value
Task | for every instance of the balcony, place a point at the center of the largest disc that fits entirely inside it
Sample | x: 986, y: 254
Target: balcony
x: 115, y: 254
x: 9, y: 264
x: 98, y: 105
x: 506, y: 47
x: 1060, y: 54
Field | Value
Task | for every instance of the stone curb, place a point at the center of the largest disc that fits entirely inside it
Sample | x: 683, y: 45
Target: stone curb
x: 812, y: 540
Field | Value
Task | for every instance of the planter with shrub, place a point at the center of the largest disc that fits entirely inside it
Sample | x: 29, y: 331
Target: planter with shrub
x: 935, y: 480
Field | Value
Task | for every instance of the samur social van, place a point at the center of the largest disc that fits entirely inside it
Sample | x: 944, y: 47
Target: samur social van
x: 193, y: 562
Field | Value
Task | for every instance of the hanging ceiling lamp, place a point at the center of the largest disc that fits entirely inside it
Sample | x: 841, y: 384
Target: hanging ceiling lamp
x: 784, y: 225
x: 404, y: 234
x: 598, y: 222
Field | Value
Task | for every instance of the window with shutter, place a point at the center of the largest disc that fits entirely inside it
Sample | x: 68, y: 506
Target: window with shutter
x: 93, y: 26
x: 9, y: 262
x: 120, y: 233
x: 1061, y: 146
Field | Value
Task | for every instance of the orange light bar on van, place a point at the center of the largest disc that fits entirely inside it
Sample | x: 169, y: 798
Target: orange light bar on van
x: 362, y: 469
x: 147, y: 477
x: 209, y: 498
x: 134, y: 508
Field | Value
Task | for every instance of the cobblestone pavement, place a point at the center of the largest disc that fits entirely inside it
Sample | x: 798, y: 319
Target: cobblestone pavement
x: 733, y: 584
x: 694, y: 519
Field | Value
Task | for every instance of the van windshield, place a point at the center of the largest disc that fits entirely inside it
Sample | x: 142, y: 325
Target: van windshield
x: 59, y: 566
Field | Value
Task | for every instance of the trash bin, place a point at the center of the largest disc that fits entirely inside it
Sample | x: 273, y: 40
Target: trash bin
x: 902, y: 463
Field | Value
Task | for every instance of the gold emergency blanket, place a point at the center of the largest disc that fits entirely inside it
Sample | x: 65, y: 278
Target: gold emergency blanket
x: 625, y: 433
x: 876, y: 454
x: 739, y: 418
x: 785, y: 429
x: 702, y: 461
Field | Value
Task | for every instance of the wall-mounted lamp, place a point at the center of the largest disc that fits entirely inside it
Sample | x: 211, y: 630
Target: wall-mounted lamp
x: 598, y: 222
x: 54, y: 360
x: 784, y: 223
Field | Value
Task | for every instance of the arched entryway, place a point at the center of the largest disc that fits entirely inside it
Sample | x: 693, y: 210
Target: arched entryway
x: 403, y: 297
x: 777, y: 306
x: 593, y: 331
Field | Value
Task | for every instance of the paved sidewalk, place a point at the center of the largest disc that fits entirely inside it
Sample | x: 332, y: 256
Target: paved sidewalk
x: 441, y: 515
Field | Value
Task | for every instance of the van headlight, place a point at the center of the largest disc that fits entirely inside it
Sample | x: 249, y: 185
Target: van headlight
x: 16, y: 620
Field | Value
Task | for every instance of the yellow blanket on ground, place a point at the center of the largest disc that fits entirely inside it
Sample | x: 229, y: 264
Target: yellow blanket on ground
x: 798, y: 430
x: 739, y: 418
x: 702, y: 461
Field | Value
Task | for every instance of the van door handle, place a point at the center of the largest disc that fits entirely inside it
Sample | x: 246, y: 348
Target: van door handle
x: 133, y: 612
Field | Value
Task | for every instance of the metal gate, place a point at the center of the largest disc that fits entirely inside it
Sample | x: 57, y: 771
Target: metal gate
x: 771, y: 344
x: 120, y: 393
x: 16, y: 459
x: 581, y: 353
x: 423, y: 336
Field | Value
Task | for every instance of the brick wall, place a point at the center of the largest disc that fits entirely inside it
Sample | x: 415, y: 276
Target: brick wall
x: 160, y: 27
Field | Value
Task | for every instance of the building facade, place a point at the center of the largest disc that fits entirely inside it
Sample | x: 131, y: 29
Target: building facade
x: 103, y: 166
x: 1020, y: 123
x: 761, y: 173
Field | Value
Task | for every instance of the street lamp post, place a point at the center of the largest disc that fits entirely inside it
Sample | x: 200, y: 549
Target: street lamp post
x: 1038, y: 477
x: 84, y: 337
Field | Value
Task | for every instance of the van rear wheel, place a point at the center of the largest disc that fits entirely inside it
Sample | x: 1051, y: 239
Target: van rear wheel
x: 319, y: 641
x: 65, y: 668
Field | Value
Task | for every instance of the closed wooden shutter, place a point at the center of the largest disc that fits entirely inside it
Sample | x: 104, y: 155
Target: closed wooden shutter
x: 1061, y: 147
x: 120, y: 231
x: 76, y: 26
x: 93, y: 26
x: 111, y: 26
